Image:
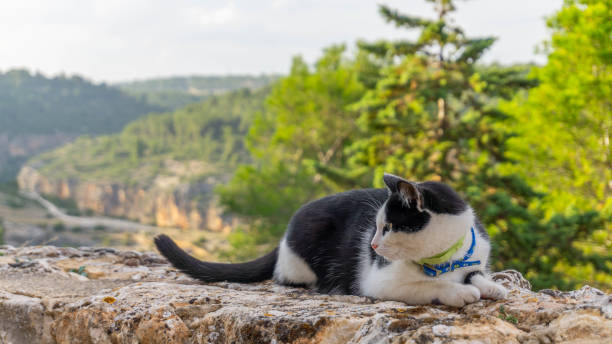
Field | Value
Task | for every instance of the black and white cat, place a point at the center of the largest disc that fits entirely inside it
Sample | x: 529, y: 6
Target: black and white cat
x: 414, y: 242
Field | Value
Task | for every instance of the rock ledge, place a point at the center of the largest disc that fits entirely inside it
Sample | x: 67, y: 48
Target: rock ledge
x: 101, y: 295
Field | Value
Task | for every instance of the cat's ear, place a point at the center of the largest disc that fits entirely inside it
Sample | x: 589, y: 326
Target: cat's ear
x: 392, y: 181
x: 409, y: 191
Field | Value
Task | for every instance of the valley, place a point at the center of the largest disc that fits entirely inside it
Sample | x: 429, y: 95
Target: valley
x: 114, y: 165
x: 32, y: 220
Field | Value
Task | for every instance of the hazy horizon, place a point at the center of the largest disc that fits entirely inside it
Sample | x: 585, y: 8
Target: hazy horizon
x: 117, y: 41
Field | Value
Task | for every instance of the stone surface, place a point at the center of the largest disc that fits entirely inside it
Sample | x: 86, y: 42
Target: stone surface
x: 87, y: 295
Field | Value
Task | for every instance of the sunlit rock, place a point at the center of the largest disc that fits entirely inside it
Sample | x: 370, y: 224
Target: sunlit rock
x: 103, y: 295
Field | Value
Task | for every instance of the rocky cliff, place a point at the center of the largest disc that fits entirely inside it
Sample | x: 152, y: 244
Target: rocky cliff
x: 166, y: 202
x: 67, y: 295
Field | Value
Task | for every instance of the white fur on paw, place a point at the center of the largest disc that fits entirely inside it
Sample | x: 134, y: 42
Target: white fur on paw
x: 460, y: 296
x: 492, y: 290
x: 489, y: 289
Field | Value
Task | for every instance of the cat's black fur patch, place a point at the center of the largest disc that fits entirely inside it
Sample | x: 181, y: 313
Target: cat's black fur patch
x: 381, y: 262
x: 404, y: 214
x: 441, y: 199
x: 296, y: 285
x: 328, y: 234
x: 469, y: 276
x: 404, y: 218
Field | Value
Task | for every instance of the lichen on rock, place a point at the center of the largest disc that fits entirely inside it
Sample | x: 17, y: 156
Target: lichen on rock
x: 131, y: 297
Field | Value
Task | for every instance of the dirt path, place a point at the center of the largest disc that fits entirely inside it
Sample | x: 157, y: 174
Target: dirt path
x: 88, y: 222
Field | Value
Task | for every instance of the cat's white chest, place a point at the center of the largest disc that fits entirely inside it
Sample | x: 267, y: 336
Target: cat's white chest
x: 406, y: 281
x: 380, y: 281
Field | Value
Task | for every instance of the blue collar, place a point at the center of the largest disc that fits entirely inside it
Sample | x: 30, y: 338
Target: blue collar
x: 439, y: 269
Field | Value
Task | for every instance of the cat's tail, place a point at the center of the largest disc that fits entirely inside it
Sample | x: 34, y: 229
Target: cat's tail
x: 256, y: 270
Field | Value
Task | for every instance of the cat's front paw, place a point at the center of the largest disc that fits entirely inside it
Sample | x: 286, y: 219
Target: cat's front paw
x: 492, y: 291
x: 489, y: 289
x: 460, y: 296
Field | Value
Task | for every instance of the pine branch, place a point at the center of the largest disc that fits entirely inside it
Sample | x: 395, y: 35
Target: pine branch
x: 379, y: 48
x: 504, y: 81
x: 474, y: 48
x: 387, y: 48
x: 402, y: 20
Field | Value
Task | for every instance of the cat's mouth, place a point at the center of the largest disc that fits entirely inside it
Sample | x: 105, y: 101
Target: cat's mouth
x: 387, y: 253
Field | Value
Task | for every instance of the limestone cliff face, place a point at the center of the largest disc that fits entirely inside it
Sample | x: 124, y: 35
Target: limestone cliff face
x: 131, y: 297
x: 165, y: 203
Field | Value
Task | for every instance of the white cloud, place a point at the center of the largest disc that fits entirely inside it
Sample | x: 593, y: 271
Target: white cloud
x: 211, y: 17
x: 279, y: 3
x: 118, y: 39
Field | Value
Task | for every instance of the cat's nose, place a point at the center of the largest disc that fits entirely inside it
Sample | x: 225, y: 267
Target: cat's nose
x: 374, y: 246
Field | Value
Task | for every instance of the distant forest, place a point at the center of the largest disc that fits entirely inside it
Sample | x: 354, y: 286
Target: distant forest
x: 212, y: 132
x: 35, y: 104
x: 198, y: 85
x: 180, y: 91
x: 38, y: 113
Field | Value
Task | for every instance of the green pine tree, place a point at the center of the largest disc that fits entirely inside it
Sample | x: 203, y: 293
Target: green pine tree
x: 433, y: 116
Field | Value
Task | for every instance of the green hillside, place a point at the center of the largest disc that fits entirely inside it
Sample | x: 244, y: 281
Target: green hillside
x: 198, y: 85
x: 35, y: 104
x: 169, y: 100
x: 38, y: 113
x: 177, y: 92
x: 212, y: 132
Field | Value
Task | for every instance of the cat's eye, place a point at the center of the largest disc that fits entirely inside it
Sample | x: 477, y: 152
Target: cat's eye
x: 387, y: 227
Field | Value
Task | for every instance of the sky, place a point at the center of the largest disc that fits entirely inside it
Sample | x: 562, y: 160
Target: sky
x: 122, y: 40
